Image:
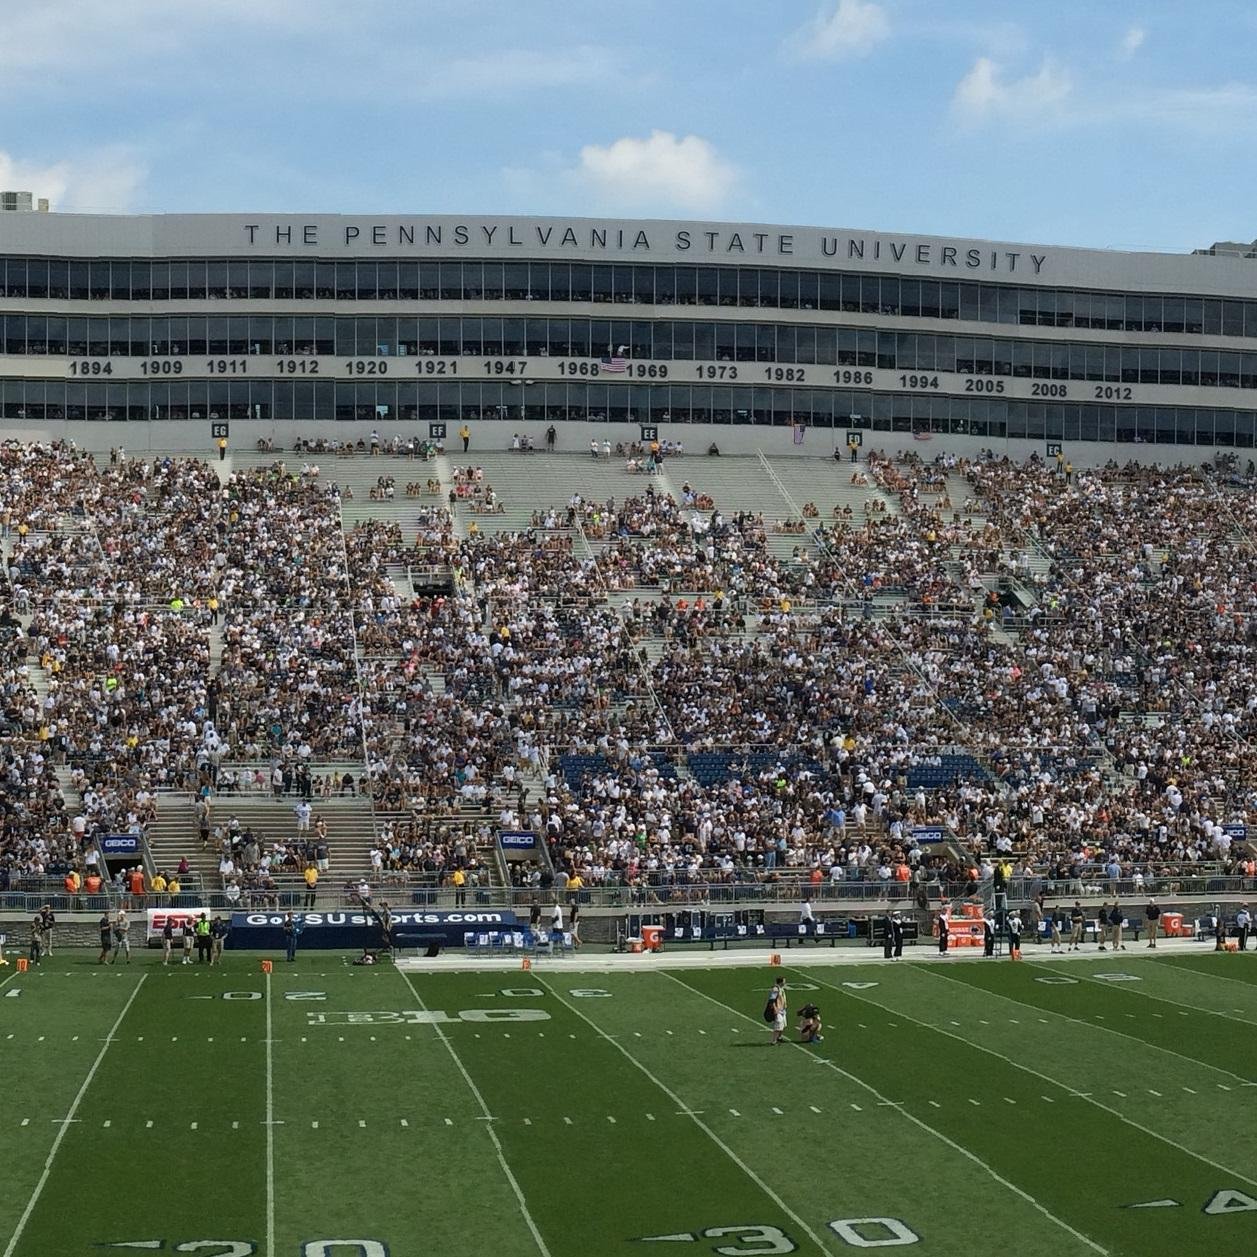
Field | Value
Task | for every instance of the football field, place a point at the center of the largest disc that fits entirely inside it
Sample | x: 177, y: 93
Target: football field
x: 1087, y: 1106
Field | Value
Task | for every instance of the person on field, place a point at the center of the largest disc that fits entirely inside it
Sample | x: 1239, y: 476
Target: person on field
x: 1014, y: 933
x: 944, y: 930
x: 897, y: 933
x: 1243, y: 923
x: 1116, y: 921
x: 188, y: 931
x: 988, y: 935
x: 203, y: 940
x: 35, y: 954
x: 1077, y: 923
x: 167, y: 939
x: 218, y: 935
x: 1152, y: 914
x: 776, y: 1008
x: 810, y: 1024
x: 1055, y: 921
x: 105, y: 926
x: 292, y: 930
x: 121, y: 936
x: 888, y: 939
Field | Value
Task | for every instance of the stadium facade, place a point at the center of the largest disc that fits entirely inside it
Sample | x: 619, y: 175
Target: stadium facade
x: 751, y: 335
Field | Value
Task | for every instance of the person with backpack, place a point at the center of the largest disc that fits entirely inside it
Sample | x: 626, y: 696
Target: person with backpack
x: 775, y: 1009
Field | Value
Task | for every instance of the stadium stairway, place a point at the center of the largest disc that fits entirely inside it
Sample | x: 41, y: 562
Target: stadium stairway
x: 828, y: 485
x: 350, y: 833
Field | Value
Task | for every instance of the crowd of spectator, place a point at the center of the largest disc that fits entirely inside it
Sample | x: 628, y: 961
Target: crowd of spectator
x: 663, y: 695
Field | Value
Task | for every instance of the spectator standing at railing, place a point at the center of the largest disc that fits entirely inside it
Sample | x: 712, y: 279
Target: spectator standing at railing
x: 311, y: 876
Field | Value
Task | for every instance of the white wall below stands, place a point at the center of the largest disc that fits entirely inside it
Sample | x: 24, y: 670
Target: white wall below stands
x: 194, y: 437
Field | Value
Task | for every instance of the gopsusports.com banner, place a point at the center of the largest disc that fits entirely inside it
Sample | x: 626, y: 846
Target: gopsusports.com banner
x: 354, y: 929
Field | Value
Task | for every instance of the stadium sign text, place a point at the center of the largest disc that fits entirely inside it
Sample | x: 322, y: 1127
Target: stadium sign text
x: 635, y: 239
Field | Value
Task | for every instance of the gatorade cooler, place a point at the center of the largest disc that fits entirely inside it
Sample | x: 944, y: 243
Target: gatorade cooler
x: 652, y: 937
x: 1172, y: 923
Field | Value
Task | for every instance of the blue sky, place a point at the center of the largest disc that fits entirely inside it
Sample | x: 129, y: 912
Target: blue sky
x: 1118, y: 124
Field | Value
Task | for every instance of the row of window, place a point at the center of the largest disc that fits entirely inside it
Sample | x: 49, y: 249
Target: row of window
x: 142, y: 337
x: 631, y: 284
x: 413, y: 402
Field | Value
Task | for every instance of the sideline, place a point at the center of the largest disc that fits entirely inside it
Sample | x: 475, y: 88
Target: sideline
x: 67, y: 1120
x: 695, y: 956
x: 270, y: 1125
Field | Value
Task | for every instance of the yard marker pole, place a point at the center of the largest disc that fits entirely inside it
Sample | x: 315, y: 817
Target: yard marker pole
x: 270, y: 1127
x: 484, y: 1108
x: 693, y: 1116
x: 69, y: 1118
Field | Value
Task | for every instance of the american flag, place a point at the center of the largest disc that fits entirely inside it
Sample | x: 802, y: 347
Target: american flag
x: 613, y: 364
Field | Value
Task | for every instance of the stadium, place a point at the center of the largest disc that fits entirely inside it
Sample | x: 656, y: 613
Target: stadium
x: 452, y: 666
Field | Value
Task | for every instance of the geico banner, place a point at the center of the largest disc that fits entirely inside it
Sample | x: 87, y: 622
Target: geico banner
x: 354, y: 928
x: 156, y: 918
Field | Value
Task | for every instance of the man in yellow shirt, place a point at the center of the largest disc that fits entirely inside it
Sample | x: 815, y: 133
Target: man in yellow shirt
x: 312, y: 883
x: 158, y: 887
x: 459, y: 880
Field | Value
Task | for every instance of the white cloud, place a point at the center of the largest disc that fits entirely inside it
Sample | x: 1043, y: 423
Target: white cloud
x: 852, y: 28
x: 61, y: 35
x: 987, y: 92
x: 662, y: 171
x: 108, y: 180
x: 518, y: 69
x: 1131, y: 42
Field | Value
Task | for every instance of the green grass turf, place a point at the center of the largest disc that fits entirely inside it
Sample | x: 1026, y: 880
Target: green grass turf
x: 978, y: 1107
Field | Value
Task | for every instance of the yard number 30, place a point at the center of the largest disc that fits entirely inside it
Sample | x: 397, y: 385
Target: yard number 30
x: 769, y: 1240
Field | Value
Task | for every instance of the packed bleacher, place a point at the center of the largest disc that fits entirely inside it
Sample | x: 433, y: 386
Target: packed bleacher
x: 676, y: 688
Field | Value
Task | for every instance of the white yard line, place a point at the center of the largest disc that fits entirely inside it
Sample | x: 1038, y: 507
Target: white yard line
x: 1087, y: 1025
x: 270, y: 1125
x: 1081, y: 1095
x: 682, y: 1107
x: 66, y: 1122
x: 1132, y: 989
x: 484, y: 1109
x: 916, y: 1121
